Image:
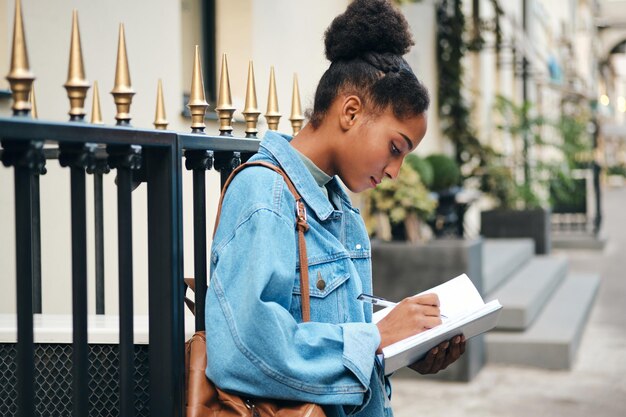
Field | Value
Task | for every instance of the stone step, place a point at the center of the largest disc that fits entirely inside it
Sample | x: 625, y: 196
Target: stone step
x: 525, y: 294
x: 501, y: 258
x: 552, y: 340
x: 580, y: 240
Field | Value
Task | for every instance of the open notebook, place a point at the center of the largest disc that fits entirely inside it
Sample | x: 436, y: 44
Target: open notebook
x: 465, y: 313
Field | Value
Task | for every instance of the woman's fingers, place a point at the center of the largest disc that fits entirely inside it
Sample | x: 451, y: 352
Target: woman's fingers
x: 457, y: 348
x: 413, y: 315
x: 419, y: 321
x: 428, y: 310
x: 431, y: 321
x: 441, y: 356
x: 424, y: 305
x: 425, y: 365
x: 426, y: 299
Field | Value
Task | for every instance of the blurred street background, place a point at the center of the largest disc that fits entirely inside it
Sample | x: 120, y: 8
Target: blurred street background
x: 596, y: 384
x: 520, y: 182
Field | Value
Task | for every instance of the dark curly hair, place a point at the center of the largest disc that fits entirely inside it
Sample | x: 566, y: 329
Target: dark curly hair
x: 365, y: 45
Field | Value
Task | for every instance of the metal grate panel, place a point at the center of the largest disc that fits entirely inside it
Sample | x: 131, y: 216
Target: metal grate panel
x: 53, y: 380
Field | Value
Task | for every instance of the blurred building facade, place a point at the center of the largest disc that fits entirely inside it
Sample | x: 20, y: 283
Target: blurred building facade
x: 612, y: 80
x: 543, y: 51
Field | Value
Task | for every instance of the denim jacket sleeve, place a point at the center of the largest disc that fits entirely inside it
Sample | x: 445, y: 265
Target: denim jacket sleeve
x: 255, y: 346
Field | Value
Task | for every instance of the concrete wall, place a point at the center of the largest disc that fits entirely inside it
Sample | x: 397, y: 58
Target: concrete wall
x: 4, y: 38
x: 160, y: 36
x: 153, y: 37
x: 423, y: 59
x: 274, y: 33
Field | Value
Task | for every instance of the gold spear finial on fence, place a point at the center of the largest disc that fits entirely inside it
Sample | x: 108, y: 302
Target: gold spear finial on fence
x: 272, y: 115
x: 20, y: 78
x: 96, y: 115
x: 33, y: 102
x: 122, y: 91
x: 160, y: 120
x: 197, y: 103
x: 225, y: 107
x: 297, y: 118
x: 76, y: 84
x: 251, y: 111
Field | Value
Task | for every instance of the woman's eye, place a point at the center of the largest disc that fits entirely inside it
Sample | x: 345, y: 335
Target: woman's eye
x: 394, y: 149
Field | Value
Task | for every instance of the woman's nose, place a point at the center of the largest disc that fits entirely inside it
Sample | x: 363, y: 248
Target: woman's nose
x: 393, y: 169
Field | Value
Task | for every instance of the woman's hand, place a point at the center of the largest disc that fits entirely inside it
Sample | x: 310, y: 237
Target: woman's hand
x: 441, y: 356
x: 411, y: 316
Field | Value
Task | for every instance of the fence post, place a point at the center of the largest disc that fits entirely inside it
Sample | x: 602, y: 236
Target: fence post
x: 28, y: 160
x: 165, y: 271
x: 78, y: 157
x: 102, y: 167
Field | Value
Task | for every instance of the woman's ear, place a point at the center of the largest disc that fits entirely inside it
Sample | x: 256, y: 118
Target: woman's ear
x: 351, y: 110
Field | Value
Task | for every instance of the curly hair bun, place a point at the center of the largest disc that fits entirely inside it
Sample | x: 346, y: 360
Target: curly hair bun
x: 367, y: 26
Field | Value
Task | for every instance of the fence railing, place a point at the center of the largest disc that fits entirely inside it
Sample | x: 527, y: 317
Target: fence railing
x: 151, y: 156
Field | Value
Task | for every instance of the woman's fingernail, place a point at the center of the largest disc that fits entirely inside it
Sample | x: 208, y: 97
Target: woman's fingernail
x: 435, y: 351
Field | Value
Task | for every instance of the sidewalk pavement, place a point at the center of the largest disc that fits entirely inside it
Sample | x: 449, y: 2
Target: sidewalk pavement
x: 596, y: 385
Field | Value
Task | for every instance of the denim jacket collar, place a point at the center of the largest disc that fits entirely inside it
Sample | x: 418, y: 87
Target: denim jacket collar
x: 276, y: 147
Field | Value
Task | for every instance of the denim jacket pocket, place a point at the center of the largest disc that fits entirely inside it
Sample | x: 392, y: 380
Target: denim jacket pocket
x: 326, y: 290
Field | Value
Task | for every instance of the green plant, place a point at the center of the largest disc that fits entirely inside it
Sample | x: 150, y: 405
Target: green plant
x: 525, y: 129
x: 398, y: 201
x: 446, y: 172
x: 454, y: 111
x: 422, y: 167
x: 536, y: 181
x: 616, y: 170
x: 497, y: 180
x: 568, y: 195
x: 576, y: 150
x: 576, y: 146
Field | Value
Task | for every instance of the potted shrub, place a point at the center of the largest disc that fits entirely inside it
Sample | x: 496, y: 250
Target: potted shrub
x: 518, y: 213
x: 401, y: 267
x: 445, y: 185
x: 568, y: 192
x: 395, y: 209
x: 616, y: 174
x: 518, y: 185
x: 422, y: 167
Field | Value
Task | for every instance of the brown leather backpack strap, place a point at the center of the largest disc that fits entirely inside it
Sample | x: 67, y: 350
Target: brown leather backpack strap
x: 301, y: 226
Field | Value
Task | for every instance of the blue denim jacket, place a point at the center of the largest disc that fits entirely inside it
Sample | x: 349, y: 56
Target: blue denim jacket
x: 257, y: 344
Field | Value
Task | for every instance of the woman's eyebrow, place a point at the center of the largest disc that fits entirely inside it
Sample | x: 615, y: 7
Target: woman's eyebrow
x: 407, y: 140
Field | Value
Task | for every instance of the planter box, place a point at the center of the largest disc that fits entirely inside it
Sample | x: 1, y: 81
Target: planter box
x: 576, y: 200
x: 403, y: 269
x: 534, y: 224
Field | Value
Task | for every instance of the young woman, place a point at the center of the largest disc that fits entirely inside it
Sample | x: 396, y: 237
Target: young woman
x: 369, y: 113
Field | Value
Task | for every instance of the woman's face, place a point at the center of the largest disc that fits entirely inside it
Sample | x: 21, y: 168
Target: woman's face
x: 376, y: 147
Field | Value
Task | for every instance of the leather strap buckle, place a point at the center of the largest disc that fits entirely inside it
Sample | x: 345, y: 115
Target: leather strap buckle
x: 301, y: 211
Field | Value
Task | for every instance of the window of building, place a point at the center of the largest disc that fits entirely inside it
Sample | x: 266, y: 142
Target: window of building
x: 198, y: 28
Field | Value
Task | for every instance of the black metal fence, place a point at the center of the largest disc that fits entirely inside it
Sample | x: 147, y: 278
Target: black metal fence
x: 155, y: 157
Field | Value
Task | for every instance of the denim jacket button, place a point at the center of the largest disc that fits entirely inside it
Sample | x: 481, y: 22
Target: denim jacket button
x: 358, y: 246
x: 321, y: 284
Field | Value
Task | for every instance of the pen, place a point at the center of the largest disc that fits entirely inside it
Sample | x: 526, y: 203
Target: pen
x: 379, y: 301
